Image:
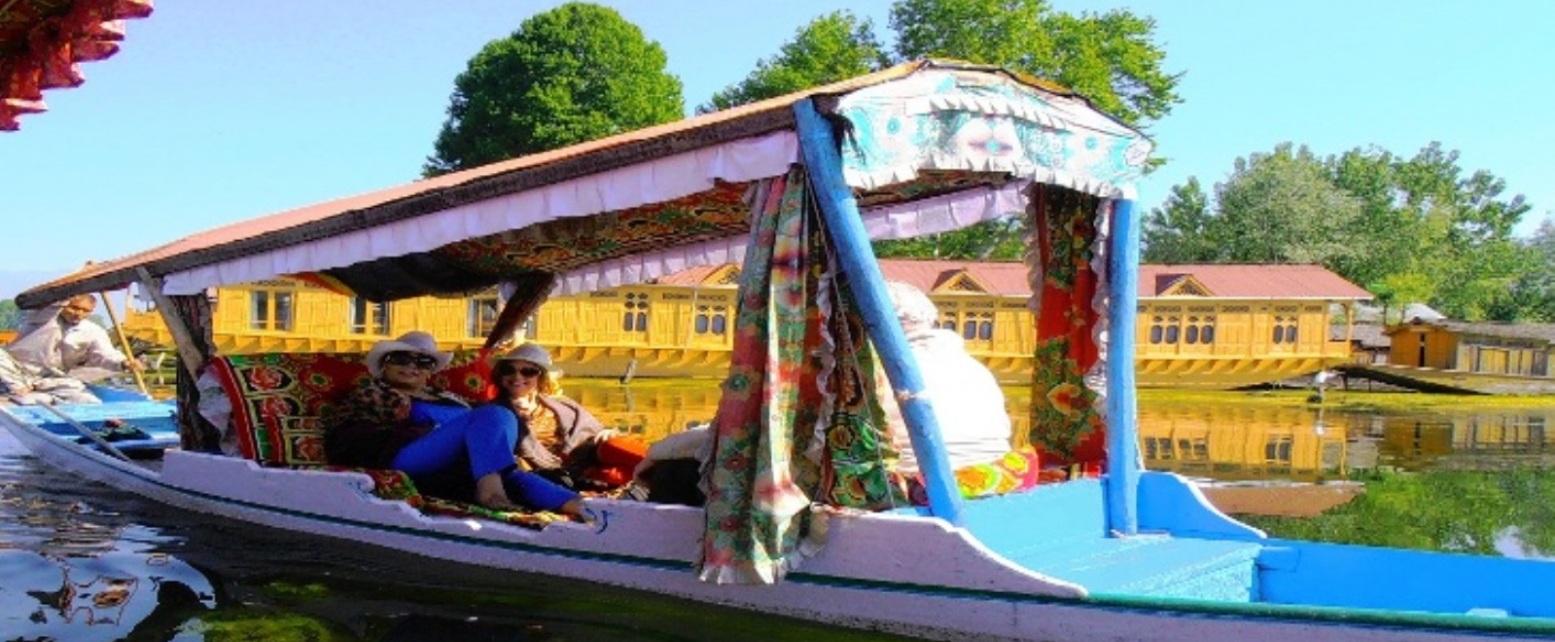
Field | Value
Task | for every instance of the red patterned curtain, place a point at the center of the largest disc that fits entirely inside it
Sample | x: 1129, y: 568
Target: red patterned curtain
x: 1066, y: 421
x: 41, y: 42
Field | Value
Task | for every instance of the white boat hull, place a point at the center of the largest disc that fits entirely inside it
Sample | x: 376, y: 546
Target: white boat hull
x: 888, y: 572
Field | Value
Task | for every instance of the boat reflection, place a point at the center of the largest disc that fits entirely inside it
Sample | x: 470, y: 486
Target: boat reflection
x: 73, y: 573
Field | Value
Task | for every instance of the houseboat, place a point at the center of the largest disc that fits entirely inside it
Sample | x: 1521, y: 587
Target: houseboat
x: 1199, y: 326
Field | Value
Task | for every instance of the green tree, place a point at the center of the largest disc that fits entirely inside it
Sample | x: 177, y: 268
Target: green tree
x: 10, y: 315
x: 832, y: 47
x: 1534, y: 292
x: 572, y: 74
x: 1178, y: 231
x: 1110, y: 58
x: 1281, y: 207
x: 1465, y: 229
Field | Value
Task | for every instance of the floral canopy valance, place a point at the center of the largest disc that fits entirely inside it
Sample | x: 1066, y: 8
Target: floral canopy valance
x: 42, y: 42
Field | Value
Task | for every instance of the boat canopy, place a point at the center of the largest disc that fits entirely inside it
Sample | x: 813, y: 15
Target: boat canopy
x: 792, y: 188
x: 927, y: 147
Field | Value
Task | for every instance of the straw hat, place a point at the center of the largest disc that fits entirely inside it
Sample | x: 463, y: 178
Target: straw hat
x: 413, y: 341
x: 531, y: 352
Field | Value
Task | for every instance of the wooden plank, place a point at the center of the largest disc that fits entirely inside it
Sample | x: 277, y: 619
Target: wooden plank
x: 189, y: 352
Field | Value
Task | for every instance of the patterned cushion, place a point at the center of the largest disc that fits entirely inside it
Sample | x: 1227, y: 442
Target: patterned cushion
x: 278, y: 398
x: 396, y: 485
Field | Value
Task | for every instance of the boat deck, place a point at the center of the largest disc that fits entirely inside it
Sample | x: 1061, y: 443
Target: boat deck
x: 153, y: 418
x: 1046, y: 532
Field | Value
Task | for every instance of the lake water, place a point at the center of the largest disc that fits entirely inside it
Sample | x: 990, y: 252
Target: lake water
x: 84, y: 562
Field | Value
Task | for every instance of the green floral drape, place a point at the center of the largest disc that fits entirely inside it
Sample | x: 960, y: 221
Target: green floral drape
x: 761, y: 482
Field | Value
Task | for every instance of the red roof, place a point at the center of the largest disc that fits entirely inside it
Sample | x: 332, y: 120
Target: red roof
x: 1251, y: 281
x: 42, y: 40
x: 1010, y: 279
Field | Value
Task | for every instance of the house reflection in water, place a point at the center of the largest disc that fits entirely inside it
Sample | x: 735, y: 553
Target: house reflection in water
x: 1226, y: 442
x: 1477, y: 439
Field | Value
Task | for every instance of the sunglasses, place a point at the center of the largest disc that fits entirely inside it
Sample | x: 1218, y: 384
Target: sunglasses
x: 422, y: 361
x: 528, y: 372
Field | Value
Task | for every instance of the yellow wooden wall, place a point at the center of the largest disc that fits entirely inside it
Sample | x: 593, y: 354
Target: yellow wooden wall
x: 1241, y: 328
x: 1424, y: 347
x: 671, y: 315
x: 321, y: 321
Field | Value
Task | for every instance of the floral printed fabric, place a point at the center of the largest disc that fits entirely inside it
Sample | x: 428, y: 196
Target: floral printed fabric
x: 278, y: 398
x: 1066, y: 421
x: 762, y: 484
x: 945, y: 119
x: 858, y: 455
x: 396, y: 485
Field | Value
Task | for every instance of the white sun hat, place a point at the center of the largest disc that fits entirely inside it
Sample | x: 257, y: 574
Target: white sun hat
x: 414, y: 341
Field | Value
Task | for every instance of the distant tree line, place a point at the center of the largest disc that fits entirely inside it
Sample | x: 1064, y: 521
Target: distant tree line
x: 1408, y: 229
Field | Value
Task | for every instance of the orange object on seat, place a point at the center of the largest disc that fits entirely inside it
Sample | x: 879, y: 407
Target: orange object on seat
x: 622, y: 451
x: 618, y: 457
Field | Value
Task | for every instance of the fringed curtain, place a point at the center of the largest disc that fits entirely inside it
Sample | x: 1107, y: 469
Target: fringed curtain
x: 1066, y: 414
x: 858, y: 456
x: 762, y: 484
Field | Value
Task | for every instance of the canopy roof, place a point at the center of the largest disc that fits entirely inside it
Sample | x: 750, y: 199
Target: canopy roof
x: 41, y: 42
x: 929, y: 146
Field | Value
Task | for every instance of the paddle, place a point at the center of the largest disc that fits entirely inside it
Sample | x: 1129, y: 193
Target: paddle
x: 124, y: 342
x: 81, y: 428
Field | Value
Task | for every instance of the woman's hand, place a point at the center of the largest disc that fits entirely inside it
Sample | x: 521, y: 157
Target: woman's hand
x: 526, y: 406
x: 605, y: 435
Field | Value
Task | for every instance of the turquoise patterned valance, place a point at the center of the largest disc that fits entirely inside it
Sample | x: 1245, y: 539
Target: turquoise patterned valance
x: 943, y: 119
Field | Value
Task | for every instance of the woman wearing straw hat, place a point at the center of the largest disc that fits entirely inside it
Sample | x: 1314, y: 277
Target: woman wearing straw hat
x: 562, y: 441
x: 396, y: 420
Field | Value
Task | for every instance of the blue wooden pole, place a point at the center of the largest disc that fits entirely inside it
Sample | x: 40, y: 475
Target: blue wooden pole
x: 824, y: 165
x: 1122, y: 411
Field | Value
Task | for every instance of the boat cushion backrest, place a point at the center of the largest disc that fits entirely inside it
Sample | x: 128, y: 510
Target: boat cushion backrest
x: 278, y: 398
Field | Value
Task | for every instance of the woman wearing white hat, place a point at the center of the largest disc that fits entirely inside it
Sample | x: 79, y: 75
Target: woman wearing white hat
x: 395, y: 420
x: 561, y: 440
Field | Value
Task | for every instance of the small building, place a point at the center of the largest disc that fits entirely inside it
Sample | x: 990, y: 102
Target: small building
x: 1369, y: 342
x: 1518, y: 349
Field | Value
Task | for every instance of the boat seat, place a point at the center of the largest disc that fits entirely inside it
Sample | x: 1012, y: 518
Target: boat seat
x: 278, y: 400
x: 1059, y: 530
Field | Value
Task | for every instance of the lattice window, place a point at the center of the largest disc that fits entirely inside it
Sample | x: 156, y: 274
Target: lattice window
x: 481, y: 316
x: 1285, y: 329
x: 634, y: 316
x: 369, y: 317
x: 272, y: 308
x: 712, y: 319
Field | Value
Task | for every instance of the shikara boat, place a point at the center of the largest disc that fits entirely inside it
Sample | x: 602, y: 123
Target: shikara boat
x: 793, y: 189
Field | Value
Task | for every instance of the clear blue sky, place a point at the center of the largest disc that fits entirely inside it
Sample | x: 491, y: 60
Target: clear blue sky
x: 217, y: 111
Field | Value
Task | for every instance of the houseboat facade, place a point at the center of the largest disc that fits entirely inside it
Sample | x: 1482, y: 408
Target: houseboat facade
x: 1199, y: 326
x: 1491, y: 358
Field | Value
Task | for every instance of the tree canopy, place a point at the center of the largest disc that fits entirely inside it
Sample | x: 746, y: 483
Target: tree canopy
x: 572, y: 74
x: 1110, y: 58
x: 1406, y: 229
x: 832, y: 47
x: 10, y: 315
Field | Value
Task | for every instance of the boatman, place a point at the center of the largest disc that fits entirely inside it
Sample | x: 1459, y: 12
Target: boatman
x: 57, y: 351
